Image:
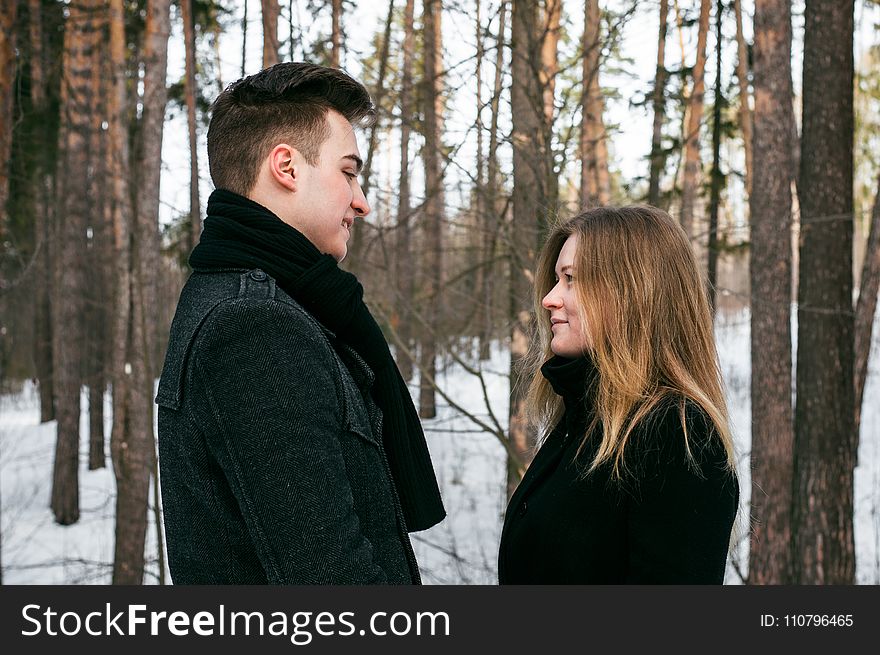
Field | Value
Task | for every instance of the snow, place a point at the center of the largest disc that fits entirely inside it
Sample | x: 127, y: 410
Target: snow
x: 470, y: 466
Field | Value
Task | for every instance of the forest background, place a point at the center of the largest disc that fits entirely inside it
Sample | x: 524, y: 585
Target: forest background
x: 756, y: 124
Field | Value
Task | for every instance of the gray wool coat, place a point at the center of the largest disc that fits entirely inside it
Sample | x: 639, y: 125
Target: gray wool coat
x: 272, y: 468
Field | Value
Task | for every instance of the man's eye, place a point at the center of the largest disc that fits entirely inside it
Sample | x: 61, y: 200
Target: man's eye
x: 349, y: 175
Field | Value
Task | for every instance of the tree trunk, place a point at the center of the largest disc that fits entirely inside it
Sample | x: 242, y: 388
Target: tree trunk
x: 825, y: 439
x: 270, y: 13
x: 717, y: 179
x: 7, y: 80
x: 866, y: 306
x: 405, y: 268
x: 595, y: 179
x: 43, y: 265
x: 81, y: 38
x: 378, y: 95
x: 434, y: 201
x: 132, y: 441
x: 658, y: 158
x: 493, y: 220
x: 530, y: 202
x: 549, y: 69
x: 771, y: 293
x: 244, y: 33
x: 97, y: 277
x: 691, y: 181
x: 336, y: 36
x: 745, y: 111
x: 189, y: 39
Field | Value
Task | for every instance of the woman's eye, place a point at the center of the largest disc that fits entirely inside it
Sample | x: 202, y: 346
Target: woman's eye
x: 568, y: 278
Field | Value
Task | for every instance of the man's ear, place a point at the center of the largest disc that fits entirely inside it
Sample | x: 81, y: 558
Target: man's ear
x: 284, y: 167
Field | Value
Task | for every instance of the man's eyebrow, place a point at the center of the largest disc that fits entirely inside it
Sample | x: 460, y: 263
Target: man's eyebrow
x: 358, y: 162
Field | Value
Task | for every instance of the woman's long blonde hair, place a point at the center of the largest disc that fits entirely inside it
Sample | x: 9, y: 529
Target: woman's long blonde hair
x: 644, y: 302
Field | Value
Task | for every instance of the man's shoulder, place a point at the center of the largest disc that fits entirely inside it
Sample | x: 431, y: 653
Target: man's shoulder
x: 219, y: 307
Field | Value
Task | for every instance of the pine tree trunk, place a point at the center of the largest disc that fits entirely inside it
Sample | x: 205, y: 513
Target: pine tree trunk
x: 866, y: 306
x: 530, y: 200
x: 43, y: 265
x: 244, y: 33
x: 270, y: 33
x: 771, y: 294
x: 691, y: 181
x: 825, y: 439
x: 7, y: 80
x: 717, y: 179
x: 595, y: 179
x: 81, y: 38
x: 190, y: 90
x: 97, y: 313
x: 378, y: 95
x: 405, y: 269
x: 745, y: 111
x: 549, y: 69
x: 132, y: 441
x: 434, y: 201
x: 336, y: 34
x: 493, y: 220
x: 658, y: 158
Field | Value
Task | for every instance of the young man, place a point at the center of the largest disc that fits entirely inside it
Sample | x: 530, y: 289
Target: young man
x: 289, y: 447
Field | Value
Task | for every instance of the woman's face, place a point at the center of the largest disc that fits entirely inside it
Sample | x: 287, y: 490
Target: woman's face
x: 570, y: 338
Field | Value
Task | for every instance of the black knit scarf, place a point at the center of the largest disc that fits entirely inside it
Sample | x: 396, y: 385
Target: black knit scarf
x: 240, y: 233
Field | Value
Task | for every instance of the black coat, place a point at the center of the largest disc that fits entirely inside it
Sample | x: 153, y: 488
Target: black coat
x: 272, y: 468
x: 663, y: 523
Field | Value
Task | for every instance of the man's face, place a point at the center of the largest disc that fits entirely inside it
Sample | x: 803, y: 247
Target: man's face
x: 329, y: 194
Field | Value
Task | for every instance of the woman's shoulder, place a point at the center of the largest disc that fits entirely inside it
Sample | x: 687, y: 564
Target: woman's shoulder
x: 678, y: 432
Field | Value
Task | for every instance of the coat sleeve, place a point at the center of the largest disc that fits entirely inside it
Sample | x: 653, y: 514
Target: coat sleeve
x: 679, y: 519
x: 268, y: 381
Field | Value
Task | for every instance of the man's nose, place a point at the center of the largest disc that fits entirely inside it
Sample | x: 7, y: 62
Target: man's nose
x: 359, y: 202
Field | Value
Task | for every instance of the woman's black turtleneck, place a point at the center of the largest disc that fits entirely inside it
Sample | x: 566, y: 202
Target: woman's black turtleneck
x: 663, y: 523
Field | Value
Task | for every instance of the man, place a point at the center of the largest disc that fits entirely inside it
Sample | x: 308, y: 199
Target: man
x: 290, y: 449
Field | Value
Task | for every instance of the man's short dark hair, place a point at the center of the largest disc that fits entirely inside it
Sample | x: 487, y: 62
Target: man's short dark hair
x: 287, y: 102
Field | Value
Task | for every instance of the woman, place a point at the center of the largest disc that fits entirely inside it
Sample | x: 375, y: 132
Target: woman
x: 635, y: 482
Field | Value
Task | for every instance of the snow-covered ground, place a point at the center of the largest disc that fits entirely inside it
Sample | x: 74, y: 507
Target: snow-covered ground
x: 470, y: 465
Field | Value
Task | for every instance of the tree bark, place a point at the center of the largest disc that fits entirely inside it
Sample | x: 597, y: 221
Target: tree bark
x: 658, y: 158
x: 7, y: 81
x: 530, y: 202
x: 336, y: 35
x: 866, y: 306
x: 81, y: 38
x: 595, y: 179
x: 43, y: 313
x: 434, y: 201
x: 771, y: 293
x: 691, y: 181
x: 745, y: 111
x: 825, y: 439
x: 270, y: 13
x: 549, y: 69
x: 404, y: 264
x: 190, y: 90
x: 493, y: 220
x: 717, y: 179
x: 136, y: 231
x: 378, y: 96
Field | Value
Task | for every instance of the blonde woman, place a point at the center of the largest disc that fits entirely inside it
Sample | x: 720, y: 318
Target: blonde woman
x: 634, y: 481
